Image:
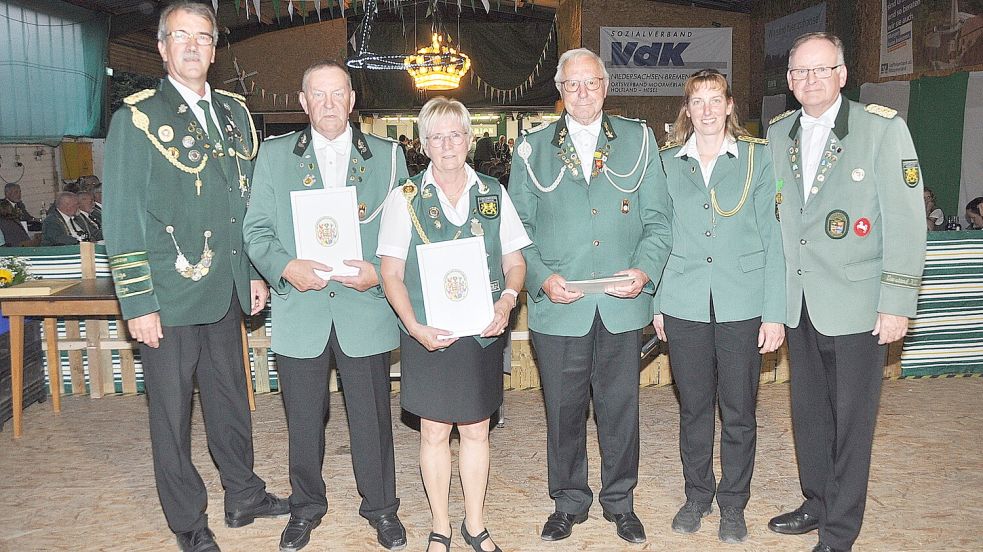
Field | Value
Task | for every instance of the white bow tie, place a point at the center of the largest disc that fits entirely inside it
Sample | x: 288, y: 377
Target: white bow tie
x: 338, y: 146
x: 809, y: 122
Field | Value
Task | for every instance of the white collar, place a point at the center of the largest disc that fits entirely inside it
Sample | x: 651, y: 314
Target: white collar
x: 594, y: 128
x: 320, y: 141
x: 471, y: 179
x: 828, y: 118
x: 729, y: 145
x: 189, y: 95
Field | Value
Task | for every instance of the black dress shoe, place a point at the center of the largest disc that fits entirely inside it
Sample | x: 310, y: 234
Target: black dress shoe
x: 389, y: 531
x: 475, y: 541
x: 199, y: 540
x: 629, y: 527
x: 297, y: 533
x: 795, y: 522
x: 269, y: 506
x: 560, y: 524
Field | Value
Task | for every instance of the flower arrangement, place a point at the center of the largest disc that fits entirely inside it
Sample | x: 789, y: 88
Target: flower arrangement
x: 13, y: 271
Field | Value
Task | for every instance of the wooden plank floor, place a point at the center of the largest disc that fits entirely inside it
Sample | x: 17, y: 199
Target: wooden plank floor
x: 83, y: 480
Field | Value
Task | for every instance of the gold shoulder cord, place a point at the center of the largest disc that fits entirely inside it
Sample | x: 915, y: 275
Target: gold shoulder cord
x: 252, y: 125
x: 747, y: 187
x: 142, y: 122
x: 409, y: 192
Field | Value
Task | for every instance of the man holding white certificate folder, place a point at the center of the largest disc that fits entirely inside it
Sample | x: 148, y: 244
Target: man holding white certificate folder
x: 313, y: 316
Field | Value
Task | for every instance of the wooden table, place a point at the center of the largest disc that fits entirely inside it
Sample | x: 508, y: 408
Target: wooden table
x: 92, y: 297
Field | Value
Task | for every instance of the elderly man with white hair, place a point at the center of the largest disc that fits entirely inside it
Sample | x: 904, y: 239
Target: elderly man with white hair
x: 591, y: 192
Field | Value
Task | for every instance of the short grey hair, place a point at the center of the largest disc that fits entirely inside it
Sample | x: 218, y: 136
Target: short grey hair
x: 325, y: 64
x: 571, y: 55
x: 828, y: 37
x: 62, y: 197
x: 438, y: 108
x: 201, y: 10
x: 85, y: 193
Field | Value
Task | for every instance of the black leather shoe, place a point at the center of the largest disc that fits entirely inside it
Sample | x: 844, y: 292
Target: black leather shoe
x: 795, y: 522
x: 269, y: 506
x: 629, y: 527
x: 475, y: 541
x: 200, y: 540
x: 389, y: 531
x: 297, y: 533
x: 560, y: 524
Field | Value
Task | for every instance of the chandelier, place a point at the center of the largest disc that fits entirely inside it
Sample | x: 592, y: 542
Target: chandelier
x: 438, y: 66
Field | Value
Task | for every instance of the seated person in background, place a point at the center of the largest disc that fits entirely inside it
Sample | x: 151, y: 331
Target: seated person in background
x: 974, y: 214
x: 14, y: 234
x: 933, y: 215
x: 12, y: 197
x: 87, y: 211
x: 63, y: 226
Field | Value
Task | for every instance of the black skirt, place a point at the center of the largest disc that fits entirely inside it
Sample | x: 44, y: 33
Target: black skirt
x: 462, y: 383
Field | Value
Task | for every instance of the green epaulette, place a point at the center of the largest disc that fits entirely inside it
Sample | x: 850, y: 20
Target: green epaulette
x: 780, y: 116
x: 881, y: 110
x: 138, y: 97
x: 528, y: 131
x: 669, y: 145
x: 242, y: 99
x: 753, y: 140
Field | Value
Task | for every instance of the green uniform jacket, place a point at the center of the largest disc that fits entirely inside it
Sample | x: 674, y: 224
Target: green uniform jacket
x: 54, y: 230
x: 154, y: 150
x: 583, y: 232
x: 857, y: 247
x: 737, y: 260
x: 302, y: 321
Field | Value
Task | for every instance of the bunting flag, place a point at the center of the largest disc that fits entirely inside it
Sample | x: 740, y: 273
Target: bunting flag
x: 276, y: 10
x: 256, y: 5
x: 238, y: 6
x: 215, y: 5
x: 516, y: 92
x: 317, y: 8
x: 290, y: 9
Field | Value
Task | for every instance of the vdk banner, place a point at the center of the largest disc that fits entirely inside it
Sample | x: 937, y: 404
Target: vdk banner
x: 656, y: 61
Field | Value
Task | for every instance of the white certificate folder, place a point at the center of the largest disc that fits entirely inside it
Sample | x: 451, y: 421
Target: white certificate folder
x: 326, y: 228
x: 456, y: 287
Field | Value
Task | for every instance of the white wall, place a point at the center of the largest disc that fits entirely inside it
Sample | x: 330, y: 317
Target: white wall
x: 39, y: 180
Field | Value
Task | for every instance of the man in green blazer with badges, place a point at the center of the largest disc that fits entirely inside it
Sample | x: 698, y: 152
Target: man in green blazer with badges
x: 591, y: 192
x: 314, y: 317
x: 849, y: 190
x: 177, y: 169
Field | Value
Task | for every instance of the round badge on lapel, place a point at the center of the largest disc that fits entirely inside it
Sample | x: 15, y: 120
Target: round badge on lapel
x: 187, y: 141
x: 857, y: 175
x: 165, y: 133
x: 862, y: 227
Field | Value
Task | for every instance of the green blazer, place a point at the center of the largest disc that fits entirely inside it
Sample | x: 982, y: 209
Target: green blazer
x: 155, y: 152
x: 54, y: 230
x: 857, y: 247
x: 364, y: 322
x: 619, y: 221
x: 737, y: 259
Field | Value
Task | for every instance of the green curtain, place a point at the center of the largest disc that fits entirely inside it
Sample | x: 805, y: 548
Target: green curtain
x: 935, y: 118
x: 53, y: 69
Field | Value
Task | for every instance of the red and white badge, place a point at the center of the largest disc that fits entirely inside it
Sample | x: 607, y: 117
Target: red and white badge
x: 862, y: 227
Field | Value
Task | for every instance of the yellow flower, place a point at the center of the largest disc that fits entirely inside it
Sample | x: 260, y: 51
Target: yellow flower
x: 6, y: 276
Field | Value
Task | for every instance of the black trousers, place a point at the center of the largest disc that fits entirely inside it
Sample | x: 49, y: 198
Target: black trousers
x: 716, y: 361
x: 212, y: 354
x: 836, y: 389
x: 604, y: 365
x: 304, y: 383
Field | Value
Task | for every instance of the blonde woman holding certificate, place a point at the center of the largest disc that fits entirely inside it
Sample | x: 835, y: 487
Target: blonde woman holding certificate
x: 447, y: 381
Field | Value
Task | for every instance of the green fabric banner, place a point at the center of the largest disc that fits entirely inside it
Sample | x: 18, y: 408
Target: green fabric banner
x: 935, y: 118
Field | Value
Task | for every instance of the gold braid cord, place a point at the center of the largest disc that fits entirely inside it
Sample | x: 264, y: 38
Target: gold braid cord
x: 409, y: 192
x: 252, y: 125
x: 142, y: 122
x: 747, y: 187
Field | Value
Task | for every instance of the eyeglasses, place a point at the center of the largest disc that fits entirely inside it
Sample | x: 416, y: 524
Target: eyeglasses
x: 592, y: 84
x: 820, y: 72
x: 456, y: 138
x: 183, y: 37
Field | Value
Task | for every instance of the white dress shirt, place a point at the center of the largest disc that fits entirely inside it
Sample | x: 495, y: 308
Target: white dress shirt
x: 815, y: 134
x: 729, y: 145
x: 395, y: 230
x: 585, y: 142
x: 192, y: 98
x: 332, y: 156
